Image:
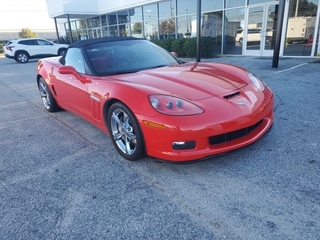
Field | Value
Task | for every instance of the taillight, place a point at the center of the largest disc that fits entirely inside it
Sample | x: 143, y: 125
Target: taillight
x: 9, y: 48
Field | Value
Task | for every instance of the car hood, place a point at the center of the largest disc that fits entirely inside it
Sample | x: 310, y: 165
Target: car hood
x: 193, y: 81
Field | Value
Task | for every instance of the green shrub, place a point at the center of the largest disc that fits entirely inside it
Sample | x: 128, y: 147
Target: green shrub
x: 187, y: 47
x: 177, y: 46
x: 1, y: 48
x: 166, y: 43
x: 206, y: 47
x: 190, y: 47
x: 206, y: 44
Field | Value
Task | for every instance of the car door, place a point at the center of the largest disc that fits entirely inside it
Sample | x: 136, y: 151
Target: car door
x: 71, y: 90
x: 30, y: 45
x: 46, y: 47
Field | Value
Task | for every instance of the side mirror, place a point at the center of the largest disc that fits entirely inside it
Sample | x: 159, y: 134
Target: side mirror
x: 174, y: 54
x: 73, y: 71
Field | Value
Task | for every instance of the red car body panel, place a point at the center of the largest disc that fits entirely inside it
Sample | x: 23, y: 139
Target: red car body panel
x: 207, y: 85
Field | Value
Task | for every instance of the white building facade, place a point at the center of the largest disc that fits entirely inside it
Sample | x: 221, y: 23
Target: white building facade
x: 238, y: 27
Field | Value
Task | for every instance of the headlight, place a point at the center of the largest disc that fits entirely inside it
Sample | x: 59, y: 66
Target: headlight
x: 257, y: 81
x: 173, y: 106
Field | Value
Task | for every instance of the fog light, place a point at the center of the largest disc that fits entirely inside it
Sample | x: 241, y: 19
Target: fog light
x: 184, y: 145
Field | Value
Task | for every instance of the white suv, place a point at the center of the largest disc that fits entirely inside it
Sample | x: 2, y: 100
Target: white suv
x: 24, y: 49
x: 254, y: 35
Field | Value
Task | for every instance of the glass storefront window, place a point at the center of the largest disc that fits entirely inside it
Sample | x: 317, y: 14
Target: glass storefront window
x: 300, y: 28
x: 112, y: 18
x: 187, y: 26
x: 124, y: 30
x: 150, y: 21
x: 82, y: 35
x: 186, y: 7
x: 209, y: 5
x: 81, y: 24
x: 251, y: 2
x: 212, y: 27
x: 123, y: 17
x: 104, y: 21
x: 167, y: 9
x: 167, y: 20
x: 136, y: 22
x: 167, y: 28
x: 73, y: 25
x: 235, y: 3
x: 234, y: 23
x: 93, y: 22
x: 105, y: 32
x: 113, y: 31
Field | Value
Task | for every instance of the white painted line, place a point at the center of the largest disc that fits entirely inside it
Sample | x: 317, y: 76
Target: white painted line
x: 288, y: 69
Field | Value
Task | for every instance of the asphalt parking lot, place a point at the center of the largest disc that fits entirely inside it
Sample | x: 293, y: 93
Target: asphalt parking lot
x: 61, y: 178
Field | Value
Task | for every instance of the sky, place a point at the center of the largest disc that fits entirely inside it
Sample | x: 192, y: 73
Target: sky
x: 18, y: 14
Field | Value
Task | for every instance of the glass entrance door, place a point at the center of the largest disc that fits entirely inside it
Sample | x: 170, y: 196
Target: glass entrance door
x: 96, y: 32
x: 259, y: 33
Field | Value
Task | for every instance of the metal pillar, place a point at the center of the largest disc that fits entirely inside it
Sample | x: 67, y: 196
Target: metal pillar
x: 69, y: 25
x: 57, y: 32
x: 198, y: 29
x: 276, y: 50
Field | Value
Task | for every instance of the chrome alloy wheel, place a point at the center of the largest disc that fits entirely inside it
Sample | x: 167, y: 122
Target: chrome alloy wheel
x: 45, y: 96
x: 123, y: 132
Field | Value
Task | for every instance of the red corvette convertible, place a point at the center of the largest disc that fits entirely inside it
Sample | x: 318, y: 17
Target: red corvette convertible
x: 151, y: 103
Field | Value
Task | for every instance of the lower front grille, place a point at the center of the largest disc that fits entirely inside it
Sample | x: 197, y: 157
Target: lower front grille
x: 222, y: 138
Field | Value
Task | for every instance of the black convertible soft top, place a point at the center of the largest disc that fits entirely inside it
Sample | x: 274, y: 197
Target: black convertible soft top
x: 82, y: 43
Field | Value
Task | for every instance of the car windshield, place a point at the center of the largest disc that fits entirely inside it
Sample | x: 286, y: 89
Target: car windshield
x: 119, y: 57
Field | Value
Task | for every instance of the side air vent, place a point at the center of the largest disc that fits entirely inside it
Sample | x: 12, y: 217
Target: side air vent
x: 231, y: 95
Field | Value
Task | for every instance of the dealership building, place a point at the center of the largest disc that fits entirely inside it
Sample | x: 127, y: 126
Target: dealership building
x: 237, y: 27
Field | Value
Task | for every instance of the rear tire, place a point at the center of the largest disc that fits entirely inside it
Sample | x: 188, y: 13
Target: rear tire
x: 48, y: 100
x: 21, y: 57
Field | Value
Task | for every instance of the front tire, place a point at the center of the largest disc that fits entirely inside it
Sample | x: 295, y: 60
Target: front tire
x: 48, y: 100
x: 125, y: 132
x: 22, y: 57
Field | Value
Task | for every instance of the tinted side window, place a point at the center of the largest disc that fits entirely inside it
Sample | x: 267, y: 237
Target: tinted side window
x: 43, y: 42
x: 75, y: 59
x: 28, y: 42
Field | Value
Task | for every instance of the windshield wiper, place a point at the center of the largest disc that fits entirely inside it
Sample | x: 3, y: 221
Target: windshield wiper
x: 159, y: 66
x: 126, y: 71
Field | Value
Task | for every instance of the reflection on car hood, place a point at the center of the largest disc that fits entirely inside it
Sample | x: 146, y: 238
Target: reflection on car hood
x: 192, y: 80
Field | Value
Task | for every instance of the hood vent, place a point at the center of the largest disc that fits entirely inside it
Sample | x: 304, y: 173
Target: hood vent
x: 231, y: 95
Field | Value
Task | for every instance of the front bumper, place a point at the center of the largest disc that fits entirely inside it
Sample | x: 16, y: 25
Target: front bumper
x: 203, y: 131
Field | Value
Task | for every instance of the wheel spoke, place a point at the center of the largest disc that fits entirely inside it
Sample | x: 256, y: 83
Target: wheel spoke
x: 128, y: 146
x: 115, y: 116
x: 117, y: 136
x: 132, y: 138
